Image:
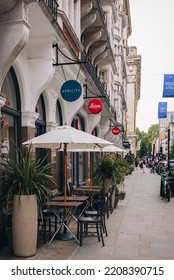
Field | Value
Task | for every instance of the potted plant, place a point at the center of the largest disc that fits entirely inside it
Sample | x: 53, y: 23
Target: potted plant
x: 109, y: 170
x: 117, y: 197
x: 104, y: 172
x: 120, y: 194
x: 24, y: 187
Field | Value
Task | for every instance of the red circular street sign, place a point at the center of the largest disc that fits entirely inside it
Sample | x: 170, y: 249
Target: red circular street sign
x: 95, y: 106
x: 115, y: 130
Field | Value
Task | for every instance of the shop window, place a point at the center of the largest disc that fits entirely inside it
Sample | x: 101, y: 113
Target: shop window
x: 40, y: 124
x: 78, y: 160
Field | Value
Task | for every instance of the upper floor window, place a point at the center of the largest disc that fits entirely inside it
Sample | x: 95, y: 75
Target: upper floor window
x: 105, y: 16
x: 103, y: 76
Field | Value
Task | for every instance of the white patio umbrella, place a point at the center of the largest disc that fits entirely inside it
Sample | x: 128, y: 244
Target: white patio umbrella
x: 112, y: 149
x: 107, y: 149
x: 66, y: 137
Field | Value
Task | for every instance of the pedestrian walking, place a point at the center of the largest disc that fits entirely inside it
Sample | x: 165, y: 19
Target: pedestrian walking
x: 152, y: 170
x: 144, y: 166
x: 141, y: 165
x: 136, y: 164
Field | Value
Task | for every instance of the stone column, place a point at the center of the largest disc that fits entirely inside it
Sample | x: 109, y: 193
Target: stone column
x: 2, y: 102
x: 28, y: 125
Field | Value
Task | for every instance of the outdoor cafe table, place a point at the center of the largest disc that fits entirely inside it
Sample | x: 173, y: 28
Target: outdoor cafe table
x: 81, y: 198
x: 88, y: 191
x: 70, y: 207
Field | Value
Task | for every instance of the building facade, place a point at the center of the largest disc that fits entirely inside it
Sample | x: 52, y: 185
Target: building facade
x: 133, y: 95
x: 46, y: 43
x: 168, y: 134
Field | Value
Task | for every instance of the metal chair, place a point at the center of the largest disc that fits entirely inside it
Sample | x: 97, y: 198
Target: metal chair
x: 109, y: 204
x: 94, y: 213
x: 96, y: 222
x: 47, y: 222
x: 70, y: 189
x: 44, y: 227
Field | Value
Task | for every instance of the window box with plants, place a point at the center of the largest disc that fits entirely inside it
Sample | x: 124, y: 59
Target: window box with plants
x: 24, y: 187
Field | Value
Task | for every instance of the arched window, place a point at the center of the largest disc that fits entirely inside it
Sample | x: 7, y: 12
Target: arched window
x: 41, y: 121
x: 11, y: 115
x: 78, y: 160
x: 59, y: 155
x: 59, y: 118
x: 40, y: 124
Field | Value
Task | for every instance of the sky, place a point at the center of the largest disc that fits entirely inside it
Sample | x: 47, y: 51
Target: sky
x: 152, y: 33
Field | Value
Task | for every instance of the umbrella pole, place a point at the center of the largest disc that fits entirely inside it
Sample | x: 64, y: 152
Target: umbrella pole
x: 65, y: 171
x: 90, y: 168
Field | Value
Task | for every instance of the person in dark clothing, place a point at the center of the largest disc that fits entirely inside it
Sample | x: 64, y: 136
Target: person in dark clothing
x: 136, y: 163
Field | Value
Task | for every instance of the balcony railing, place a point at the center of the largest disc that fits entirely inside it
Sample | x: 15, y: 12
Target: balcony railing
x: 92, y: 72
x: 52, y: 6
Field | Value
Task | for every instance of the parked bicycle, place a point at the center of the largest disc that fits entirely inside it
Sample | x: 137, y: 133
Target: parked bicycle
x: 167, y: 178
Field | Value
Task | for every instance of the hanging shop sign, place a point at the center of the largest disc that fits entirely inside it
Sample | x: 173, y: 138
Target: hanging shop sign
x: 126, y: 144
x: 168, y: 86
x: 71, y: 90
x: 95, y: 106
x: 162, y: 110
x: 115, y: 130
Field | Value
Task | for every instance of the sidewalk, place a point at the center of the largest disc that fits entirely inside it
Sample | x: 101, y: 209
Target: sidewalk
x: 141, y: 227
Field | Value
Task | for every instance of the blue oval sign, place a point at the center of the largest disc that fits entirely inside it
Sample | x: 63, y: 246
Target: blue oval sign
x: 71, y: 90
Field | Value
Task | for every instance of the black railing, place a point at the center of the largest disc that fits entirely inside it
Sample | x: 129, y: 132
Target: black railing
x: 52, y: 6
x: 92, y: 72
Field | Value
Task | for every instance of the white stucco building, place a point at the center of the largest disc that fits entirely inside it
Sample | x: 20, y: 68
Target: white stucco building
x: 46, y: 43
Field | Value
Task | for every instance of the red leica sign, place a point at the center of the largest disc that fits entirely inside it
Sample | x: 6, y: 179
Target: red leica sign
x: 95, y: 106
x: 115, y: 130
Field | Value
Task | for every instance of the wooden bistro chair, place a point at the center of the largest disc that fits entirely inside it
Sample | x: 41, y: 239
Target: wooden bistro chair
x: 96, y: 222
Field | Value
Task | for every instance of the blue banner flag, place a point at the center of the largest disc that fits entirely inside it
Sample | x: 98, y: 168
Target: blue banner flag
x: 168, y: 87
x: 162, y: 110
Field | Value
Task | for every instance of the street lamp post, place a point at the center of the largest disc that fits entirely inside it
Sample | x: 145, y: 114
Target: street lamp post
x: 153, y: 152
x: 168, y: 136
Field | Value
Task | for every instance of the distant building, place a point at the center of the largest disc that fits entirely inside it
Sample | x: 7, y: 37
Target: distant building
x: 166, y: 127
x: 133, y: 94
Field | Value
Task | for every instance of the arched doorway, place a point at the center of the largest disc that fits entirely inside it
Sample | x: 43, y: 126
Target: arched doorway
x: 11, y: 115
x: 40, y: 123
x: 10, y: 129
x: 78, y: 160
x: 59, y: 155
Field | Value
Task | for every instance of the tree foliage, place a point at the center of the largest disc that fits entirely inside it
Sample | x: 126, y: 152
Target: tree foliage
x: 146, y: 139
